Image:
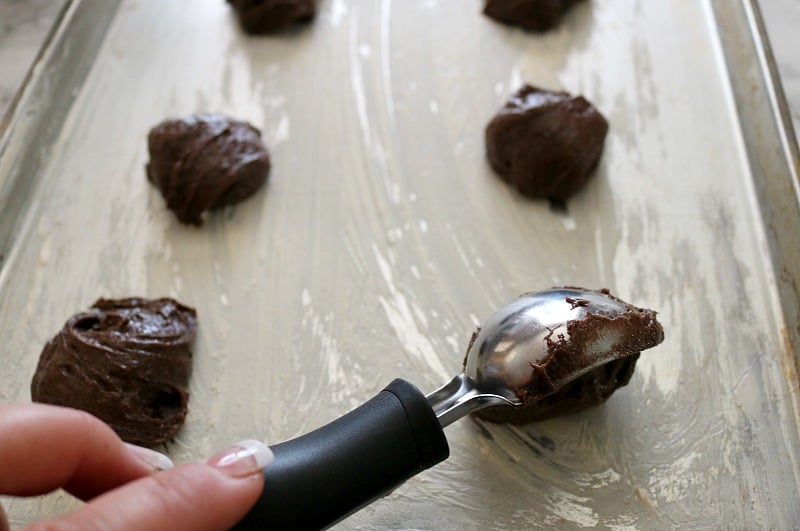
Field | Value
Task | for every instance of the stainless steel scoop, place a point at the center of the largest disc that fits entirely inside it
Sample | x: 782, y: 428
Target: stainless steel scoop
x: 321, y: 477
x: 500, y: 358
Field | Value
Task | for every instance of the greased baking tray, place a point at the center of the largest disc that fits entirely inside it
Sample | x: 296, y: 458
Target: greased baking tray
x: 382, y: 239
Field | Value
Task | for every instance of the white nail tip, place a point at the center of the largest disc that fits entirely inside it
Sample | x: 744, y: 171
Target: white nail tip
x: 157, y: 460
x: 259, y: 451
x: 162, y: 462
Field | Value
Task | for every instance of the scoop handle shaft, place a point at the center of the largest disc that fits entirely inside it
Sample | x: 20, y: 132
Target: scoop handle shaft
x: 320, y: 478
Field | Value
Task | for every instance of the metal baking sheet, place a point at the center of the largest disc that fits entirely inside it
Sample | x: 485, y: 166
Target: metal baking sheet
x: 382, y: 239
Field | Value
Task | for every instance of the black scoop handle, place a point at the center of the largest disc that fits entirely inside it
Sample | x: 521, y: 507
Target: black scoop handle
x: 320, y: 478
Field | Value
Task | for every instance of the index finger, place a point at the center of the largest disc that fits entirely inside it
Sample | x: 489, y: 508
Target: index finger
x: 45, y: 447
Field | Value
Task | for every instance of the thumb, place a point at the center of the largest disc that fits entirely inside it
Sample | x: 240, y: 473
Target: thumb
x: 206, y: 496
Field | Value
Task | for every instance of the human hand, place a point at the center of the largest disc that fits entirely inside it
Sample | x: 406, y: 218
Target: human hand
x: 127, y: 487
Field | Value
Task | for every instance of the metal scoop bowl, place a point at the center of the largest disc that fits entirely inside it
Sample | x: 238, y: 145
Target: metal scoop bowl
x: 524, y: 352
x: 504, y: 355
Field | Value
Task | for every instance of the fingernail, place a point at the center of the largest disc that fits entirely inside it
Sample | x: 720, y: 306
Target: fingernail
x: 242, y: 459
x: 155, y: 460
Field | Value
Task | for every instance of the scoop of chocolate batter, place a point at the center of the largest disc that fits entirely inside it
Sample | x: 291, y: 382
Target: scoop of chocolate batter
x: 205, y: 161
x: 557, y: 387
x: 270, y: 16
x: 125, y: 361
x: 533, y: 15
x: 545, y: 143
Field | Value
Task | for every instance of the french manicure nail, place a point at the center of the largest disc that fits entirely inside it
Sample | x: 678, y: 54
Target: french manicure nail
x: 242, y: 459
x: 155, y: 460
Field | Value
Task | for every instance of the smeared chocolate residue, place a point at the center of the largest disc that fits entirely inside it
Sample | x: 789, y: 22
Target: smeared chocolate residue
x: 576, y: 303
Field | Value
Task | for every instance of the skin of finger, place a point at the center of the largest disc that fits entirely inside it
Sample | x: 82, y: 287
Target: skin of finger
x: 192, y: 496
x: 45, y: 447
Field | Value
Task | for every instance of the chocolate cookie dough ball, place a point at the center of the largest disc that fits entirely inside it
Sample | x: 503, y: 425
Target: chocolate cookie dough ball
x: 546, y: 144
x: 270, y: 16
x: 205, y: 161
x: 125, y: 361
x: 591, y: 389
x: 532, y: 15
x: 542, y: 400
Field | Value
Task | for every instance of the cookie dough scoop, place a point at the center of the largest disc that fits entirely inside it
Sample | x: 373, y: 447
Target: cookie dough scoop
x: 526, y: 352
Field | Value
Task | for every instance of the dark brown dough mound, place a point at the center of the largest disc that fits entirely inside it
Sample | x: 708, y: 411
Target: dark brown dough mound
x: 270, y: 16
x: 545, y: 143
x: 205, y: 161
x: 541, y: 399
x: 125, y: 361
x: 533, y: 15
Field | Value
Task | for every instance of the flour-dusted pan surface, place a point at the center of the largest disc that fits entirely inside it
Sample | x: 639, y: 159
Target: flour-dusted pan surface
x: 382, y: 238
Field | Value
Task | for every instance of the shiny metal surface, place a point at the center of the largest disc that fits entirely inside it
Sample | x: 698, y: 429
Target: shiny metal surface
x: 513, y: 338
x: 461, y: 396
